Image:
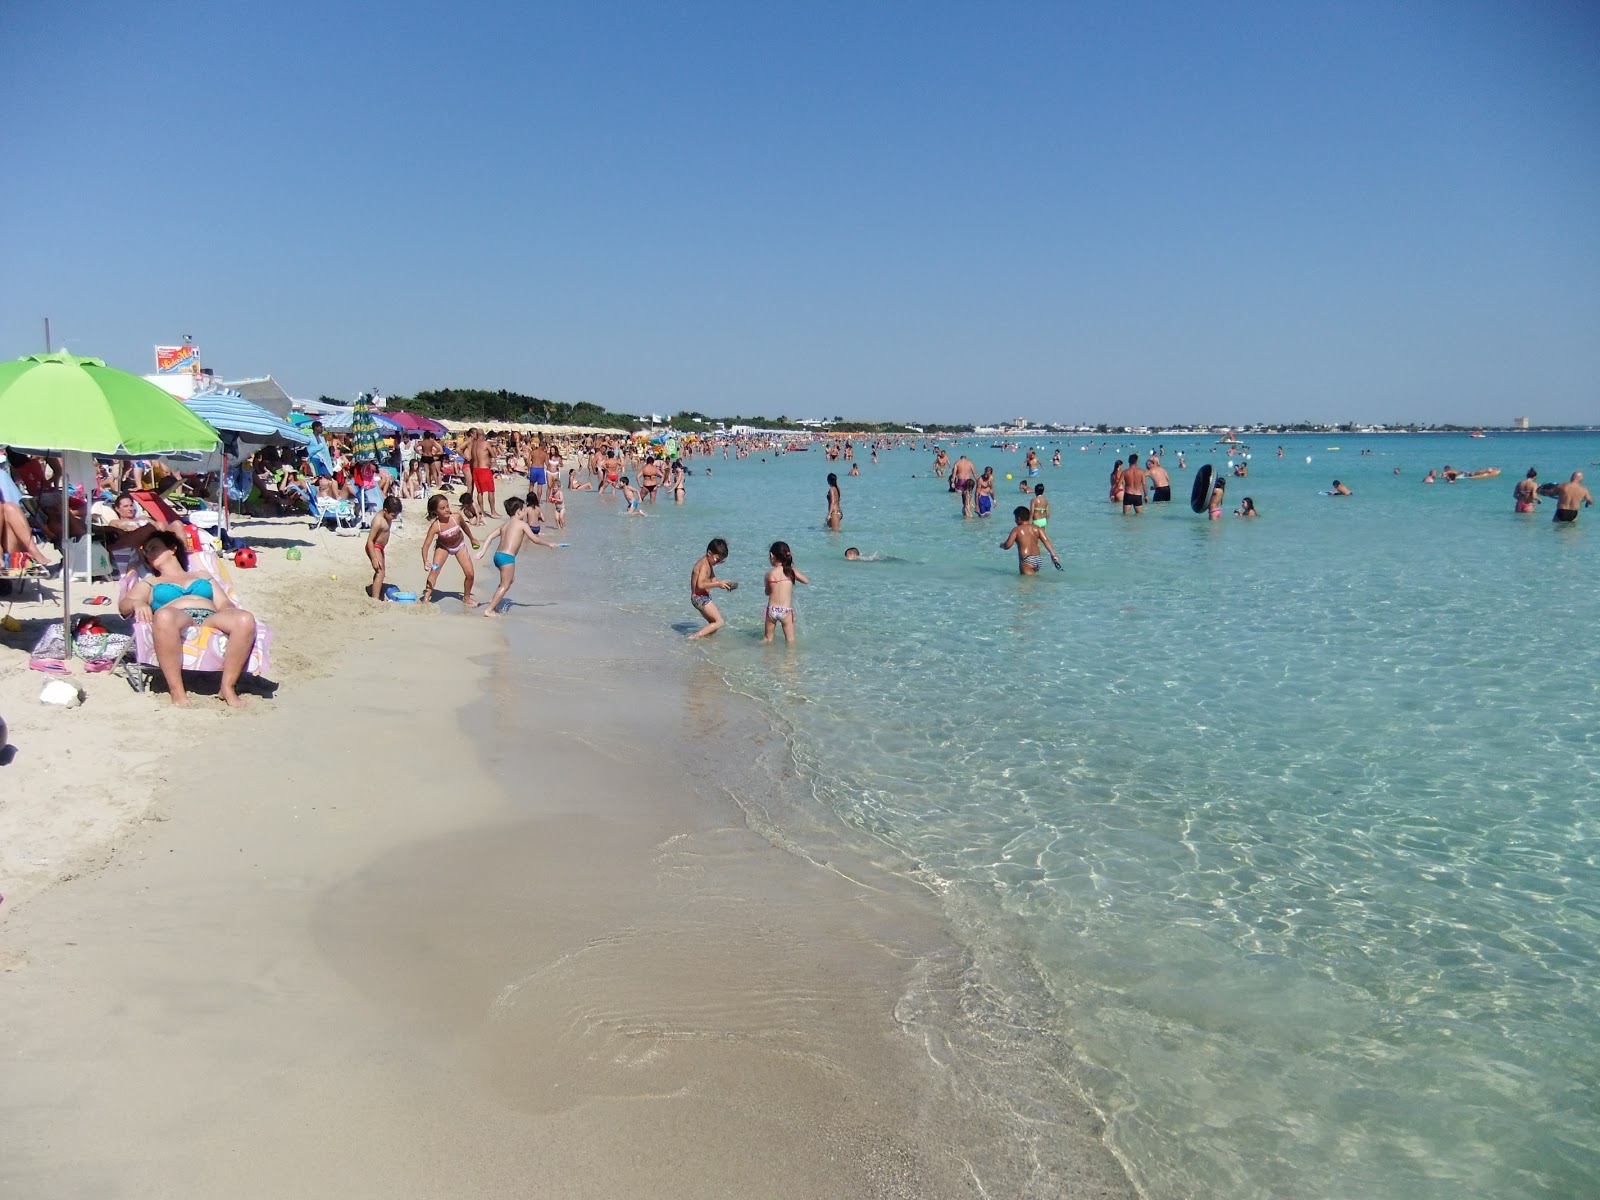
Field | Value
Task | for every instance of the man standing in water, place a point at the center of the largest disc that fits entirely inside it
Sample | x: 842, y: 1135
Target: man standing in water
x: 479, y: 460
x: 964, y: 479
x: 1160, y: 481
x: 1133, y: 483
x: 1027, y: 538
x: 1569, y: 496
x: 538, y: 469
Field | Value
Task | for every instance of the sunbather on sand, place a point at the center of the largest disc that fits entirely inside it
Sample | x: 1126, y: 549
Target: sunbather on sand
x: 172, y: 598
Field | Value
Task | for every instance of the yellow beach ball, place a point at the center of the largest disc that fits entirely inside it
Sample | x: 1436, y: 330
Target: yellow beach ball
x: 1008, y: 475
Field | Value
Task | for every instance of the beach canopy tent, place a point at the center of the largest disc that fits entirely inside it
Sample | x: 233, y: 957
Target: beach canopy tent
x: 79, y: 408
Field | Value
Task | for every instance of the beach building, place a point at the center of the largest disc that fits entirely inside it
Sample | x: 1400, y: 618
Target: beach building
x: 1519, y: 422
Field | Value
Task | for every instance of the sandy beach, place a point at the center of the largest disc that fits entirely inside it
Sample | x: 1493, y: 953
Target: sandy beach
x: 442, y: 919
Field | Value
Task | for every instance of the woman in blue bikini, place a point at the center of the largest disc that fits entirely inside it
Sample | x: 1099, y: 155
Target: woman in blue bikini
x: 173, y: 598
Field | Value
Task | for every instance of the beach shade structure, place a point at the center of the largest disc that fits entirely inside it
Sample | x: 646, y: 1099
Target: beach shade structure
x: 228, y: 412
x: 412, y: 423
x: 239, y: 420
x: 78, y: 407
x: 364, y: 446
x: 343, y: 421
x: 364, y: 433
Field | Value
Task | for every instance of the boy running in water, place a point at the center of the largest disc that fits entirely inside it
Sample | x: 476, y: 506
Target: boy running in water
x: 631, y: 497
x: 702, y: 578
x: 378, y: 540
x: 1027, y: 538
x: 511, y: 535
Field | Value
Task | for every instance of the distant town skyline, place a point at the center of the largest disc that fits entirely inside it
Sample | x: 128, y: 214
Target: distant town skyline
x: 1150, y: 214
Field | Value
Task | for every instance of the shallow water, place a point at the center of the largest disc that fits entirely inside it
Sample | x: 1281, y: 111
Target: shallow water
x: 1290, y: 821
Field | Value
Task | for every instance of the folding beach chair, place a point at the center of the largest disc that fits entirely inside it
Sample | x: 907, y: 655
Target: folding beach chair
x: 203, y: 645
x: 339, y: 515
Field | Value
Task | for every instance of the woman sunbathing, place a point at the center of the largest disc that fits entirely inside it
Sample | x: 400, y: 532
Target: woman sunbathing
x: 172, y: 598
x: 130, y: 520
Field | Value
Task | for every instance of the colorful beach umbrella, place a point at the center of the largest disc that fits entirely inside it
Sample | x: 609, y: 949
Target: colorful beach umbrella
x: 229, y: 412
x: 412, y: 423
x: 56, y: 402
x: 363, y: 432
x: 75, y: 407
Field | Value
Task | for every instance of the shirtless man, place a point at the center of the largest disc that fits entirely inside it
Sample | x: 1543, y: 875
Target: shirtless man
x: 1160, y: 481
x: 1569, y: 496
x: 964, y: 479
x: 480, y: 460
x: 1027, y: 538
x: 538, y: 472
x: 1133, y: 484
x: 941, y: 463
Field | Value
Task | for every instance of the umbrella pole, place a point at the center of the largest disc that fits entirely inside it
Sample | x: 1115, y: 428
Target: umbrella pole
x: 66, y: 561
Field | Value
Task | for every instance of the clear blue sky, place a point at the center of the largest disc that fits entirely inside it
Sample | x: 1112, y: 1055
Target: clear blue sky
x: 1107, y: 212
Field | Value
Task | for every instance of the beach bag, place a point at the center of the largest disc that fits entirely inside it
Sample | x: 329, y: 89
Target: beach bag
x: 99, y: 649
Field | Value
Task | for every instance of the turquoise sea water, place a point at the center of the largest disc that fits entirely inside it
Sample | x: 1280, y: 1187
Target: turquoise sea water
x: 1291, y: 820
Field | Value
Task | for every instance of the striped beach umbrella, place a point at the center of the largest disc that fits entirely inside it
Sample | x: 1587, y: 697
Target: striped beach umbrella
x: 363, y: 432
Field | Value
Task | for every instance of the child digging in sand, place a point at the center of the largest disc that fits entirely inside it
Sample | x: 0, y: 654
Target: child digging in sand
x: 447, y: 537
x: 780, y: 591
x: 511, y: 535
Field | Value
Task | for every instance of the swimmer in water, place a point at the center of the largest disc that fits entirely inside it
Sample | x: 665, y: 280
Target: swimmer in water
x: 1040, y: 510
x: 1027, y: 538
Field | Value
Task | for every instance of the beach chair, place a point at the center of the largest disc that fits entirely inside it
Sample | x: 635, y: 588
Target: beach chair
x: 203, y: 646
x: 18, y: 570
x: 339, y: 515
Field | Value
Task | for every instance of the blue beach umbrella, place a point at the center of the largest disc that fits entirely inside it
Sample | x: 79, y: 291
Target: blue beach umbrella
x: 232, y: 413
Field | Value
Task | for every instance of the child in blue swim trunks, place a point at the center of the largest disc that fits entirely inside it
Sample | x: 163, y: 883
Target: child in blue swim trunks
x: 511, y: 536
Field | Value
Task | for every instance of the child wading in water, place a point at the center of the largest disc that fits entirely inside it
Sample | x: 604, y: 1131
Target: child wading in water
x: 511, y: 535
x: 378, y: 541
x: 780, y: 591
x: 1027, y: 538
x: 702, y: 578
x: 447, y: 536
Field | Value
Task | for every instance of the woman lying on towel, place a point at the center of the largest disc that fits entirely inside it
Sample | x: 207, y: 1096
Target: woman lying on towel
x: 172, y: 598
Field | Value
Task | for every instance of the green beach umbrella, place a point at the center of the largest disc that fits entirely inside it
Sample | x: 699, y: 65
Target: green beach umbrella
x: 363, y: 432
x: 56, y: 402
x: 63, y: 404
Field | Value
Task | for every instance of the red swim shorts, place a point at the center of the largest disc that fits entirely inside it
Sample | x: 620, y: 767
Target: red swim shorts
x: 482, y: 479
